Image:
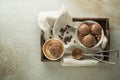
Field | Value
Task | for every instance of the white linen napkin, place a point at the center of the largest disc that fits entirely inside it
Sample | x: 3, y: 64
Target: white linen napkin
x: 69, y: 61
x: 45, y: 21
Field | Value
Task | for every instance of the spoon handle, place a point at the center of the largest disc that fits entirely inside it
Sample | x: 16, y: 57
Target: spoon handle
x: 96, y: 53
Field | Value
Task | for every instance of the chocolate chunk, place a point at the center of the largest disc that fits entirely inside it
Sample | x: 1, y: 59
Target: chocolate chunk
x: 68, y: 26
x: 50, y: 37
x: 51, y: 32
x: 62, y: 34
x: 74, y: 41
x: 62, y: 30
x: 60, y: 37
x: 67, y: 39
x: 67, y: 32
x: 65, y: 28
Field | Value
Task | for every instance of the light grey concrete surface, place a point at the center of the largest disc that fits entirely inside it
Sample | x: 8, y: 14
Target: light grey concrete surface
x: 20, y: 40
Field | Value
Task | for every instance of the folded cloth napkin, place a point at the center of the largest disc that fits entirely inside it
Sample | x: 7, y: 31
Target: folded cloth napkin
x: 69, y: 61
x: 46, y: 21
x: 54, y: 22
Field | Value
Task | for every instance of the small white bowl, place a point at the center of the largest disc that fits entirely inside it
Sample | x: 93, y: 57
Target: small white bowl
x: 43, y: 48
x: 100, y: 41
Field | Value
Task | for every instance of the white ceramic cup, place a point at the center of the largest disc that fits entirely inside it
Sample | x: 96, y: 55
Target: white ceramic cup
x: 54, y: 39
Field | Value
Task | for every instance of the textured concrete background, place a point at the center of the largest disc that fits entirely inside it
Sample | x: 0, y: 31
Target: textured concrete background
x: 19, y: 40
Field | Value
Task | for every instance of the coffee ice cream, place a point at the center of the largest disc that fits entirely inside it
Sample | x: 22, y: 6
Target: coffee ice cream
x: 96, y: 29
x: 89, y: 41
x: 84, y: 29
x: 89, y: 34
x: 77, y: 53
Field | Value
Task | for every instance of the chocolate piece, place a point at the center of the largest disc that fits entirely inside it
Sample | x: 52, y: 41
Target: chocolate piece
x: 63, y: 30
x: 50, y: 37
x: 74, y: 41
x: 68, y: 26
x: 62, y: 34
x: 51, y: 32
x: 67, y: 39
x: 67, y: 32
x: 60, y: 37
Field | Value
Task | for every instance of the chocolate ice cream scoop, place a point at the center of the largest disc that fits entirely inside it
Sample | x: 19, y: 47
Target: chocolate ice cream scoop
x: 77, y: 53
x: 89, y: 41
x: 96, y: 29
x: 84, y: 29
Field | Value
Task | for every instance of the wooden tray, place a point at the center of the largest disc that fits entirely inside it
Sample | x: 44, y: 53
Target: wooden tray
x: 104, y: 22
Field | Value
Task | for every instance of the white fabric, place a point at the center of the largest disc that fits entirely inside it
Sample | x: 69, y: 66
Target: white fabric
x: 69, y: 61
x: 46, y: 21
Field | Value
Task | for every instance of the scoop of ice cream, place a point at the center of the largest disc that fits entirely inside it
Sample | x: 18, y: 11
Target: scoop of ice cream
x: 96, y: 29
x: 77, y: 53
x: 89, y: 41
x: 84, y: 29
x: 55, y: 50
